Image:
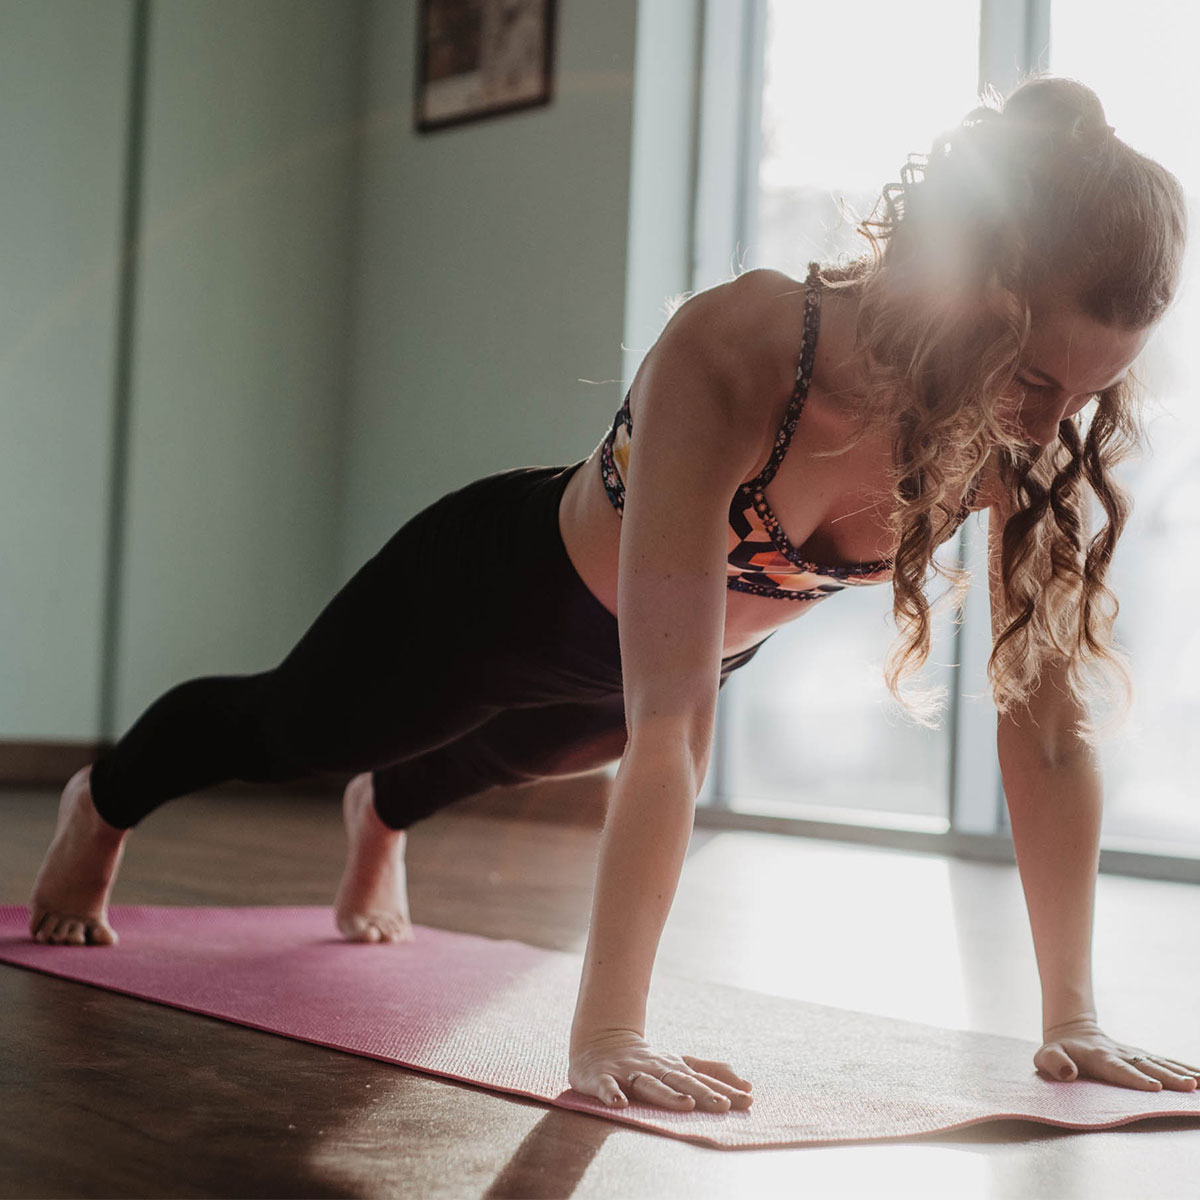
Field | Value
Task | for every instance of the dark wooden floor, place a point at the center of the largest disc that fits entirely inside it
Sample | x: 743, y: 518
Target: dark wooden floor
x: 104, y: 1095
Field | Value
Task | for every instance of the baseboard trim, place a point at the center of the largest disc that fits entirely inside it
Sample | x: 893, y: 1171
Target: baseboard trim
x: 45, y: 764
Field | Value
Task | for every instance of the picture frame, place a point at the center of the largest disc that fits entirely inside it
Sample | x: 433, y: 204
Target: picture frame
x: 478, y: 59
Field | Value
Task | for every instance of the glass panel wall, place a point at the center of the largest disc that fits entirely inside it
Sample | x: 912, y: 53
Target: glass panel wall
x: 813, y: 731
x: 848, y: 91
x: 810, y: 728
x: 1143, y: 71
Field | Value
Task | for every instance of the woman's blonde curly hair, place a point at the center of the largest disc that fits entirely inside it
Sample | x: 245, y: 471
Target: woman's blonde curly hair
x: 1030, y: 197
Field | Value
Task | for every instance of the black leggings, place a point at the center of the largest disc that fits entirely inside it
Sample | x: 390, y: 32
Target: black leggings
x: 467, y: 653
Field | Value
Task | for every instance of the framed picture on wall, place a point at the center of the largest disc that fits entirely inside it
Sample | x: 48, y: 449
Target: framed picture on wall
x: 482, y: 58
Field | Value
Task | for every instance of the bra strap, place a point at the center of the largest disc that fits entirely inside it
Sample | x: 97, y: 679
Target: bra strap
x: 808, y: 355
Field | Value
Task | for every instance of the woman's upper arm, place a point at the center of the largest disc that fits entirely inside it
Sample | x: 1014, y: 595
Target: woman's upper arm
x: 703, y: 402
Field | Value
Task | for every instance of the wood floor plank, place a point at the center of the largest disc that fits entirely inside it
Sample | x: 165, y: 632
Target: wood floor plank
x: 104, y: 1095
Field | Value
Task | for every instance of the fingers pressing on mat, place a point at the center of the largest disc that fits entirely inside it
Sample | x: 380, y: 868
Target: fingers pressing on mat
x: 619, y: 1066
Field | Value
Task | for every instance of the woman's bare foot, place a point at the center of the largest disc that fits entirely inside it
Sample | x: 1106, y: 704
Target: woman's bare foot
x: 372, y: 899
x: 69, y: 904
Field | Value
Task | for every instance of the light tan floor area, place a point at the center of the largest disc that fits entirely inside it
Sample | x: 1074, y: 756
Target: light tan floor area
x: 104, y: 1095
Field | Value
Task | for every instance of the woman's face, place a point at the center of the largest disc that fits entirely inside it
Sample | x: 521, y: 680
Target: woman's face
x: 1068, y: 359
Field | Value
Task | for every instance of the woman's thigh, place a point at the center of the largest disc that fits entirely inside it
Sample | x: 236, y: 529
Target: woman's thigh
x: 517, y: 745
x: 471, y: 609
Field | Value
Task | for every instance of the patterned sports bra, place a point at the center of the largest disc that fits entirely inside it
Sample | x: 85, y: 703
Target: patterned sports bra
x: 762, y: 561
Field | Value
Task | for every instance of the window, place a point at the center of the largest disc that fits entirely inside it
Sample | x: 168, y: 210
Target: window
x: 1152, y: 793
x: 811, y: 723
x: 831, y: 101
x: 846, y: 93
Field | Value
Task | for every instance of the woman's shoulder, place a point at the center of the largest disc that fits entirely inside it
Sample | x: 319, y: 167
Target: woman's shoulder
x: 763, y: 311
x: 748, y: 329
x: 772, y: 304
x: 764, y: 308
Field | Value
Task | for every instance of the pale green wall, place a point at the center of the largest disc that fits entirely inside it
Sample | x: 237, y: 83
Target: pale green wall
x: 240, y: 336
x: 335, y: 320
x: 64, y: 70
x: 491, y: 276
x: 243, y: 314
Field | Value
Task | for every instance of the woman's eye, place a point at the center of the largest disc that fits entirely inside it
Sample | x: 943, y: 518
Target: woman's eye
x: 1030, y: 386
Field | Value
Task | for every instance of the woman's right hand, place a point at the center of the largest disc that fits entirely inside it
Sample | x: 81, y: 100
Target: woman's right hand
x: 601, y: 1066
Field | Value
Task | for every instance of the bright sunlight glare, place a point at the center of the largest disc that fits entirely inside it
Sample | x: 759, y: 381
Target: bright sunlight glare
x: 851, y: 90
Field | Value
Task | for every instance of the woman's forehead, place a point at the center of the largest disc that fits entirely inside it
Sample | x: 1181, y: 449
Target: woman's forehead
x: 1079, y: 352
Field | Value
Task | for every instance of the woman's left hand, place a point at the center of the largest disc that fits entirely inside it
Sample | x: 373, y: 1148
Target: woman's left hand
x: 1082, y: 1049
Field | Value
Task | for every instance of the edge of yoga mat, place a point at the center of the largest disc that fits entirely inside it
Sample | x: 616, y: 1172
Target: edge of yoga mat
x: 18, y: 949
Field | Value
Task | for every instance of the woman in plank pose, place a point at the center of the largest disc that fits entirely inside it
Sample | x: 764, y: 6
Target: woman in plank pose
x: 1010, y: 281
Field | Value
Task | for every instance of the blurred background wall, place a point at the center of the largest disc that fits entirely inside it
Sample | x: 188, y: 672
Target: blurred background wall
x: 329, y: 320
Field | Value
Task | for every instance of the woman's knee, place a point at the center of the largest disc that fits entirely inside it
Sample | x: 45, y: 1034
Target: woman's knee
x: 553, y: 741
x: 516, y: 747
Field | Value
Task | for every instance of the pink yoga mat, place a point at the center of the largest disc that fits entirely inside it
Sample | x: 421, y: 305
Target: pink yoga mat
x: 498, y: 1014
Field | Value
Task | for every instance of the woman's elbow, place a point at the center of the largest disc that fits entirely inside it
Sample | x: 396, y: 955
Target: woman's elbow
x: 1024, y: 743
x: 682, y: 739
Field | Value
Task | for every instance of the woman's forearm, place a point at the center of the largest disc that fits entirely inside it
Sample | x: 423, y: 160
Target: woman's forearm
x: 1056, y: 811
x: 642, y: 850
